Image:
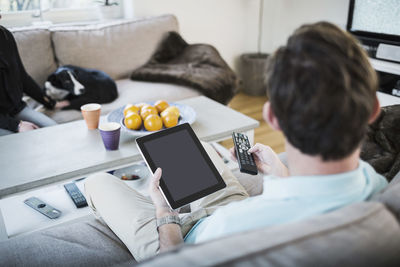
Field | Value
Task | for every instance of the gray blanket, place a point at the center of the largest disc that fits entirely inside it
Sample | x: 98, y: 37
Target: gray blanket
x: 199, y: 66
x: 381, y: 148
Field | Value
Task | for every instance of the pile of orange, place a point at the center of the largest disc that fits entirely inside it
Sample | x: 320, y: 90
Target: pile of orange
x: 152, y: 117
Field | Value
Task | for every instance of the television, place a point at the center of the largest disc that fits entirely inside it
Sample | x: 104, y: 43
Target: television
x: 376, y: 23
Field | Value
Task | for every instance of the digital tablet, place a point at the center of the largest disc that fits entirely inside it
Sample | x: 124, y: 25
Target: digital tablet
x: 188, y: 173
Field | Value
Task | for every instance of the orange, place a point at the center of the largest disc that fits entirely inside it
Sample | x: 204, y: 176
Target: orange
x: 153, y: 123
x: 161, y: 105
x: 144, y: 106
x: 170, y: 120
x: 148, y: 110
x: 166, y: 112
x: 171, y: 109
x: 140, y: 105
x: 133, y: 121
x: 131, y: 108
x: 129, y: 112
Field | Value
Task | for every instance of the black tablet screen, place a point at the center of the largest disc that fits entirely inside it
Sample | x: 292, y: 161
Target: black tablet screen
x: 184, y: 170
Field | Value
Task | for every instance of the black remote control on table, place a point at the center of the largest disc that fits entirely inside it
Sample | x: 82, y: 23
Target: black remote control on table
x: 76, y: 195
x: 245, y: 159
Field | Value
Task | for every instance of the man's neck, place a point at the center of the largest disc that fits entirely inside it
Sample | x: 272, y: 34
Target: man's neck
x: 301, y: 164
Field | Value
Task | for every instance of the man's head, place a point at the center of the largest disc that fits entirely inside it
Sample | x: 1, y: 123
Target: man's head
x: 322, y: 91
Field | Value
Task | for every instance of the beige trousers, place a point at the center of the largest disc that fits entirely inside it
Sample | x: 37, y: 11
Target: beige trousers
x: 131, y: 216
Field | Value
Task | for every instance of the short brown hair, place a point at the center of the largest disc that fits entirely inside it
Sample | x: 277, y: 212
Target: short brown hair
x: 322, y: 90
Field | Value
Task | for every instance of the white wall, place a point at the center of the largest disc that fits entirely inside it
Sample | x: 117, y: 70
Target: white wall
x: 229, y: 25
x: 282, y: 17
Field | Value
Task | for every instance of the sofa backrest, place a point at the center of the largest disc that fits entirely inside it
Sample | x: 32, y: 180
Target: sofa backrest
x: 362, y: 234
x: 116, y: 48
x: 35, y: 48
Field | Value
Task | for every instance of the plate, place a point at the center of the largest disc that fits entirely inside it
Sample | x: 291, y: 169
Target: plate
x: 188, y: 115
x: 141, y: 171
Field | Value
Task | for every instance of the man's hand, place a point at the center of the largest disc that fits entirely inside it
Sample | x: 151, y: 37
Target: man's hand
x: 266, y: 159
x: 25, y: 126
x: 170, y: 235
x: 162, y: 208
x: 62, y: 104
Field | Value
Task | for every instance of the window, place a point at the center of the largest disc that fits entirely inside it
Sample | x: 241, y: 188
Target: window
x: 27, y: 12
x: 20, y: 5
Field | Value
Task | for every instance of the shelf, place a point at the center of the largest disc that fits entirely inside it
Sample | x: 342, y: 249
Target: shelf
x: 385, y: 66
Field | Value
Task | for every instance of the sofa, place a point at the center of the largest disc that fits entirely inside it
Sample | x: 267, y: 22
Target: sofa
x: 117, y: 48
x: 361, y: 234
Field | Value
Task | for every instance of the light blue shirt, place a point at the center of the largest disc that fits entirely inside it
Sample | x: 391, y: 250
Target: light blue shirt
x: 289, y: 199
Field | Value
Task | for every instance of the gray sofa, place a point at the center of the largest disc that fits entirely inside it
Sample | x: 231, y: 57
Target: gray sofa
x: 362, y: 234
x: 116, y: 48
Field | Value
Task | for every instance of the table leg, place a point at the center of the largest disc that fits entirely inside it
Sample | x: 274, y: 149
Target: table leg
x: 3, y: 232
x: 250, y: 134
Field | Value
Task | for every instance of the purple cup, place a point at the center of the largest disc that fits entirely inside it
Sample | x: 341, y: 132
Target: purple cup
x: 110, y: 133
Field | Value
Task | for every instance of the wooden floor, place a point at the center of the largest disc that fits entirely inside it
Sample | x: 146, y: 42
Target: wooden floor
x: 252, y: 107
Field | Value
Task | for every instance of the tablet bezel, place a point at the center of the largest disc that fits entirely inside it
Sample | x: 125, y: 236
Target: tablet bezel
x: 175, y: 204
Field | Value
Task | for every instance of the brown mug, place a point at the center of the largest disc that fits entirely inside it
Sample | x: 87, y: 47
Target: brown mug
x: 91, y: 114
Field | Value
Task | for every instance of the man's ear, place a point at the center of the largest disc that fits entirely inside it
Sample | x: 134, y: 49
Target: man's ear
x: 270, y: 117
x: 376, y: 111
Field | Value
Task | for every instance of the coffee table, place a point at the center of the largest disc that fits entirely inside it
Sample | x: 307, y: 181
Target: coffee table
x: 70, y: 151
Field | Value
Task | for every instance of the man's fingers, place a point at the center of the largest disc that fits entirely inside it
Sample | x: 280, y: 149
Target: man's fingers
x: 156, y: 178
x: 264, y: 168
x: 157, y: 174
x: 233, y: 153
x: 255, y: 148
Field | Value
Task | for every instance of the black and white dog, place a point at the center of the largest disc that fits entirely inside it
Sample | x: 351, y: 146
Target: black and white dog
x: 80, y: 86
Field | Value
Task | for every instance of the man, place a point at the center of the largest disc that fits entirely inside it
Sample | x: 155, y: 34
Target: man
x: 322, y: 96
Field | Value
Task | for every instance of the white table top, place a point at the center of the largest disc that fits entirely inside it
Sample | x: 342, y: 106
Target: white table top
x: 69, y: 150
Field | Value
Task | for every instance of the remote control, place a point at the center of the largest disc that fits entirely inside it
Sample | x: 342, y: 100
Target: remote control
x: 42, y: 207
x: 245, y: 159
x: 76, y: 195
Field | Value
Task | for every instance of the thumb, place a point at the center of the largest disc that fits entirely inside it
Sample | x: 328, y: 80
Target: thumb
x: 254, y: 148
x: 157, y: 174
x: 156, y: 178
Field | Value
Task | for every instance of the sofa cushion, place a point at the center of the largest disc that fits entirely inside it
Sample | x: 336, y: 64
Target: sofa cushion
x: 363, y: 234
x: 116, y: 48
x: 87, y: 243
x: 131, y: 92
x: 390, y: 196
x: 35, y: 49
